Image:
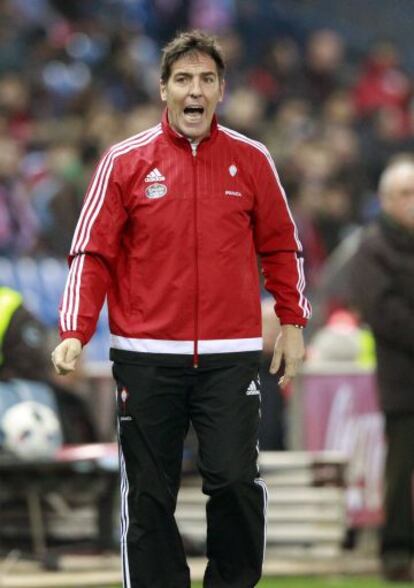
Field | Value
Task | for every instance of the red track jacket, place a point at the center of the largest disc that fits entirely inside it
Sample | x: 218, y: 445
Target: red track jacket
x: 169, y: 233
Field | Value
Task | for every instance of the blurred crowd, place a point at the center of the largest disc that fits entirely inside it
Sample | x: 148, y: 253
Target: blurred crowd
x: 78, y: 76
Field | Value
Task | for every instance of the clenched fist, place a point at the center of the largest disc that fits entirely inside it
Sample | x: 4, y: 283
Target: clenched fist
x: 65, y: 356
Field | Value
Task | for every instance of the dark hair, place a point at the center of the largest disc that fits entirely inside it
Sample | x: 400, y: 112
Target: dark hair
x: 191, y: 42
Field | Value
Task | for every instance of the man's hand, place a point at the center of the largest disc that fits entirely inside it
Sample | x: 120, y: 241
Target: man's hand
x: 290, y: 347
x: 65, y: 356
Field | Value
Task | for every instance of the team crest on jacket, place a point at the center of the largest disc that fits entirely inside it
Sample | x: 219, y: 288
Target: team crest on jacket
x: 233, y: 170
x: 156, y: 191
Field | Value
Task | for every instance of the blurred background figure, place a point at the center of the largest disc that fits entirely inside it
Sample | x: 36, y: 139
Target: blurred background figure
x: 26, y: 377
x: 382, y: 289
x: 342, y: 340
x: 24, y: 351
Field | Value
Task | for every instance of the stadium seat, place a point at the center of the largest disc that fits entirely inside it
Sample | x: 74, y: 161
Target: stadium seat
x: 7, y: 274
x: 27, y: 277
x: 52, y: 276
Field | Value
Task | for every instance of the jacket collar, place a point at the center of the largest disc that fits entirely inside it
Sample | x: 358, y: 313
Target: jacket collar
x: 182, y: 141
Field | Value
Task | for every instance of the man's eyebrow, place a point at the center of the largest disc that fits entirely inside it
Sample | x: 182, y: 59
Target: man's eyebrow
x: 190, y: 74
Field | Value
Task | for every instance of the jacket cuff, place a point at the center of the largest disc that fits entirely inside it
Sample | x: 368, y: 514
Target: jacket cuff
x: 74, y: 335
x: 296, y: 321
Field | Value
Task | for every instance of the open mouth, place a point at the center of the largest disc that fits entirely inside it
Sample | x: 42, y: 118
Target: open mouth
x: 193, y: 113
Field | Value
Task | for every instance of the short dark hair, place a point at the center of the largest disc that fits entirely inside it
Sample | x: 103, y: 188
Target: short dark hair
x: 191, y: 42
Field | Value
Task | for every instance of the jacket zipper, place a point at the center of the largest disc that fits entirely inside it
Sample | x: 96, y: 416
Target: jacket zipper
x: 194, y: 156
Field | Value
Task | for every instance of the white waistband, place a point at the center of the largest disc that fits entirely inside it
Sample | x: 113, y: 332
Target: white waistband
x: 186, y: 347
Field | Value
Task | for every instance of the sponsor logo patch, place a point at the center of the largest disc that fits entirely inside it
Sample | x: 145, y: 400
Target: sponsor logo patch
x: 233, y: 193
x: 156, y: 191
x: 155, y: 176
x: 232, y: 170
x: 253, y: 389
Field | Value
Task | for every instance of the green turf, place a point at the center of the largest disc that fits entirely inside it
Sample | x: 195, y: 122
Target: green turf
x: 323, y: 582
x: 320, y: 582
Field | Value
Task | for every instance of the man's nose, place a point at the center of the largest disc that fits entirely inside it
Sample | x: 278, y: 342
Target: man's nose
x: 195, y: 89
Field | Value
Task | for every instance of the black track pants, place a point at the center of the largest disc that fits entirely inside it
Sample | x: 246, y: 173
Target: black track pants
x: 398, y: 532
x: 155, y: 406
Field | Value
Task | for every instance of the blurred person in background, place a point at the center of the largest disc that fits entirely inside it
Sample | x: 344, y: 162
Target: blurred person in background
x: 305, y: 201
x: 334, y: 221
x: 382, y: 82
x: 24, y: 355
x: 324, y: 65
x: 382, y: 93
x: 169, y: 231
x: 279, y: 76
x: 18, y: 223
x: 382, y: 289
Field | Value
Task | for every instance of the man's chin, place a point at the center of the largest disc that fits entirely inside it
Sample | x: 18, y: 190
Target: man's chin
x: 195, y: 132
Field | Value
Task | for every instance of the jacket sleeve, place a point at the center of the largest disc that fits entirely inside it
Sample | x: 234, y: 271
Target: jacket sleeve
x: 277, y: 242
x: 375, y: 293
x: 94, y: 249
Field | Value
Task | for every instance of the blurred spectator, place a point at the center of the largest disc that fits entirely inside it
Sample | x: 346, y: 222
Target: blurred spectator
x: 324, y: 66
x: 289, y: 128
x: 342, y: 340
x: 306, y: 206
x: 314, y: 162
x: 14, y: 107
x: 333, y: 282
x: 382, y: 288
x: 382, y: 138
x: 18, y: 226
x: 382, y: 82
x: 278, y: 77
x: 339, y: 109
x: 212, y: 15
x: 23, y: 347
x: 25, y: 355
x: 244, y: 110
x: 335, y: 216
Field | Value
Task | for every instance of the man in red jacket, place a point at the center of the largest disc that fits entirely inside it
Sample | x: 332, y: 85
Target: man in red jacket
x: 169, y: 231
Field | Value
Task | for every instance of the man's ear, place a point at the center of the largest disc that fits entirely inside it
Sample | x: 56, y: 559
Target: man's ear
x: 163, y: 91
